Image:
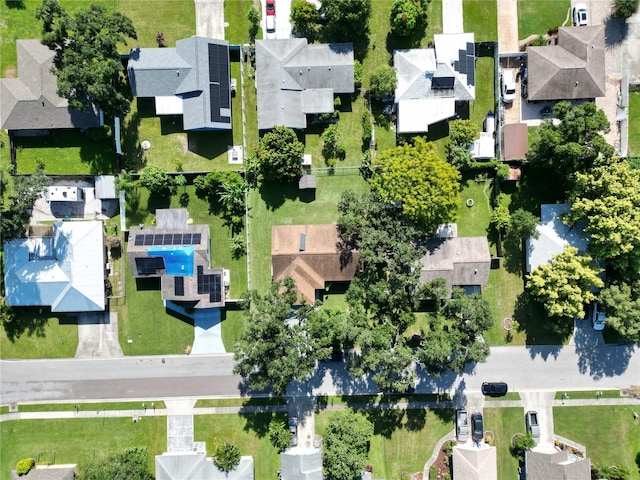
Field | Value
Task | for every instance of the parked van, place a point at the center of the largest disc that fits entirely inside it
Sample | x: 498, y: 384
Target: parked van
x: 508, y: 86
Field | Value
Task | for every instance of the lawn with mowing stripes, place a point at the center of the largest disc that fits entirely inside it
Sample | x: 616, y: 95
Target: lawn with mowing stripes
x: 504, y: 423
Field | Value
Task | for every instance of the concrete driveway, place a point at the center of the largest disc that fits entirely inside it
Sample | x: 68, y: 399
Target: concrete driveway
x: 452, y: 18
x: 210, y: 18
x: 283, y: 22
x: 541, y: 402
x: 98, y: 335
x: 508, y: 26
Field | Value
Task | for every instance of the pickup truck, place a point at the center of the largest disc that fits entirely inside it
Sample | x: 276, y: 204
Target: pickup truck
x: 533, y: 426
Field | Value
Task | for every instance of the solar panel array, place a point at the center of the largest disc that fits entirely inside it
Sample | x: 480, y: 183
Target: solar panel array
x: 168, y: 239
x: 219, y: 82
x: 466, y: 63
x: 442, y: 83
x: 178, y: 286
x: 149, y: 265
x: 210, y: 284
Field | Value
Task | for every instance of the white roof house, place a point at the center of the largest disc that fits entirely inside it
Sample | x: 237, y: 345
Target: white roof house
x: 64, y: 271
x: 196, y: 466
x: 299, y: 463
x: 432, y: 80
x: 554, y: 236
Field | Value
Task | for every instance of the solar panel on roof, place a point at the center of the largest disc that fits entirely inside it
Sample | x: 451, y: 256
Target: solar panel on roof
x: 197, y: 238
x: 148, y: 239
x: 178, y: 286
x: 139, y: 240
x: 157, y: 239
x: 176, y: 239
x: 442, y: 83
x: 186, y: 239
x: 149, y: 265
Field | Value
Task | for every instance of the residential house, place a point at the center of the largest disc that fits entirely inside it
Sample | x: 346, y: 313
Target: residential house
x: 178, y: 254
x: 196, y: 466
x: 191, y: 80
x: 571, y: 69
x: 432, y: 80
x: 29, y: 103
x: 461, y: 261
x: 295, y: 79
x: 556, y: 465
x: 553, y: 236
x: 48, y: 472
x: 474, y: 463
x: 64, y: 270
x: 300, y: 463
x: 312, y: 255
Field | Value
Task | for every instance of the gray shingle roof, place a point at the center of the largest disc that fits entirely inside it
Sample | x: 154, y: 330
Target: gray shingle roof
x: 301, y: 464
x: 286, y: 68
x: 572, y: 69
x: 30, y: 102
x: 556, y: 466
x: 186, y: 71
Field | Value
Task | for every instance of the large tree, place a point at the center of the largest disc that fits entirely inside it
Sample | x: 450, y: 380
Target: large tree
x: 305, y: 20
x: 565, y: 285
x: 279, y: 155
x: 622, y: 304
x: 607, y: 200
x: 156, y: 180
x: 286, y: 350
x: 132, y: 464
x: 87, y: 62
x: 462, y: 133
x: 16, y: 212
x: 346, y: 445
x: 344, y: 17
x: 382, y: 81
x: 575, y: 143
x: 404, y: 17
x: 415, y: 177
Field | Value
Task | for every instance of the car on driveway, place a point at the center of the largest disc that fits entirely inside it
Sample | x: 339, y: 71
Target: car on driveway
x: 462, y: 425
x: 531, y: 420
x: 293, y: 428
x: 494, y: 389
x: 477, y: 427
x: 508, y: 85
x: 580, y: 15
x: 271, y: 7
x: 598, y: 317
x: 271, y: 27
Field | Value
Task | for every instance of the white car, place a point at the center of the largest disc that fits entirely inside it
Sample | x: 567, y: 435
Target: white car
x: 580, y: 15
x: 598, y: 318
x: 271, y: 27
x: 508, y: 86
x: 462, y: 425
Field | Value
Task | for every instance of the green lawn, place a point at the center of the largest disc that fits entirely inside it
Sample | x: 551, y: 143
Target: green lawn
x: 68, y: 152
x: 37, y: 333
x: 144, y: 319
x: 89, y: 407
x: 508, y: 396
x: 175, y: 19
x: 281, y: 204
x: 474, y: 220
x: 403, y: 439
x: 481, y: 17
x: 78, y: 440
x: 634, y: 124
x: 239, y: 402
x: 504, y: 423
x: 590, y: 394
x: 610, y: 433
x: 535, y: 17
x: 248, y: 432
x: 484, y: 101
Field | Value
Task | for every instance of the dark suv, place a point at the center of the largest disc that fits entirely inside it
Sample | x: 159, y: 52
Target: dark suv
x: 494, y: 389
x: 477, y: 427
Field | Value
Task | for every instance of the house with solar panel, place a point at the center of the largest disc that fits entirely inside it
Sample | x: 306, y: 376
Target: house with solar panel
x: 191, y: 80
x: 178, y: 254
x: 295, y: 80
x: 433, y: 81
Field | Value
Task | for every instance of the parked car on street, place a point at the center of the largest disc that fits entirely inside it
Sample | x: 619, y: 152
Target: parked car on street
x: 271, y: 7
x: 477, y: 427
x: 494, y: 389
x: 462, y: 425
x: 531, y: 419
x: 580, y: 15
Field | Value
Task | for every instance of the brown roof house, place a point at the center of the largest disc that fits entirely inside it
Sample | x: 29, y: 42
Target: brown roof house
x: 30, y: 102
x: 312, y: 256
x: 461, y: 261
x: 572, y: 69
x: 179, y: 255
x: 556, y: 465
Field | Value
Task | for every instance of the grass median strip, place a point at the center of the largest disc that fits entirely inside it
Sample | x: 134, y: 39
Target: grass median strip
x: 84, y: 407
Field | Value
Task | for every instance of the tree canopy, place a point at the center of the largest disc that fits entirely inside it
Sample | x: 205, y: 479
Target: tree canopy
x: 156, y: 180
x: 383, y: 81
x: 575, y: 143
x: 87, y: 62
x: 16, y: 213
x: 305, y: 20
x: 346, y: 445
x: 427, y: 187
x: 132, y: 464
x: 622, y: 304
x: 287, y: 350
x: 565, y: 285
x: 522, y: 225
x: 607, y: 200
x: 343, y: 17
x: 279, y: 155
x: 625, y: 8
x: 226, y: 456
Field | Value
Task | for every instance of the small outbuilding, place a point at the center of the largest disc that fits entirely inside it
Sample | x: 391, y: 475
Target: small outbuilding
x: 307, y: 182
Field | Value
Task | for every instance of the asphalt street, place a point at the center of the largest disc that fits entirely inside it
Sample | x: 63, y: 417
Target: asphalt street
x: 523, y: 368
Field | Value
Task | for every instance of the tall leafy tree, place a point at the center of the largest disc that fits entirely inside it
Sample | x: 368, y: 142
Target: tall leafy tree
x: 625, y: 8
x: 565, y: 285
x: 622, y: 303
x: 132, y: 464
x: 575, y: 143
x: 16, y: 213
x: 346, y: 445
x: 156, y: 180
x: 383, y: 81
x: 278, y: 155
x: 522, y: 225
x: 607, y: 200
x: 343, y: 17
x: 426, y: 186
x: 305, y: 20
x: 285, y: 351
x: 87, y: 62
x: 404, y: 17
